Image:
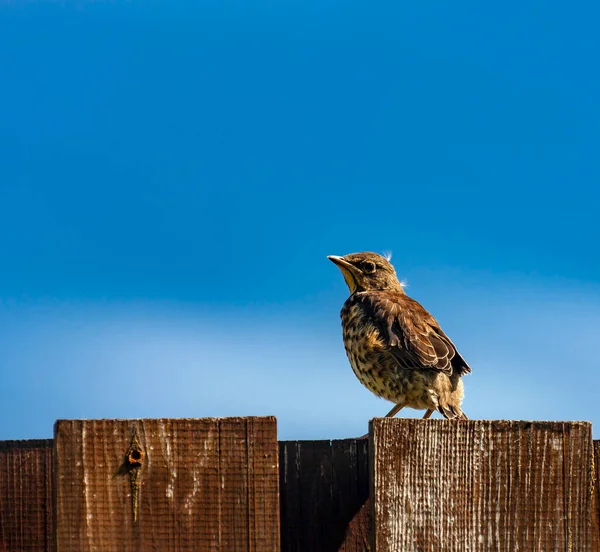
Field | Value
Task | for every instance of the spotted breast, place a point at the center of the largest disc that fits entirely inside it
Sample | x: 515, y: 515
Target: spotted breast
x: 379, y: 348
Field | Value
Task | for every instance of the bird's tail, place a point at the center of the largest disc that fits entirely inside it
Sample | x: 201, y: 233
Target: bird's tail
x: 452, y: 412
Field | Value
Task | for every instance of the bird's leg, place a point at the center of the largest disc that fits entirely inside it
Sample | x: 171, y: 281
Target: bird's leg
x: 397, y: 408
x: 428, y: 413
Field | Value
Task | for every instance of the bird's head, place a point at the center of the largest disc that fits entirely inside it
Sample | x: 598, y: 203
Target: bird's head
x: 367, y: 272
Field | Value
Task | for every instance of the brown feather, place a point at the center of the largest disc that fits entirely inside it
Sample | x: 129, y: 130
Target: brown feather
x: 414, y: 337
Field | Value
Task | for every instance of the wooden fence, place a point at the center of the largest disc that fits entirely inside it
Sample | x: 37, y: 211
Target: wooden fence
x: 227, y: 485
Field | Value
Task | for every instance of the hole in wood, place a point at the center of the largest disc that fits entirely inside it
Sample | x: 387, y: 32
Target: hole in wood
x: 135, y: 457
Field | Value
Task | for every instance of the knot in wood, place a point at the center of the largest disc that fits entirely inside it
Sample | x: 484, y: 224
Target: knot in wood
x: 135, y: 457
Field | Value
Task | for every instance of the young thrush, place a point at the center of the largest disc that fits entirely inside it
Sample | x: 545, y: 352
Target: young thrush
x: 395, y: 347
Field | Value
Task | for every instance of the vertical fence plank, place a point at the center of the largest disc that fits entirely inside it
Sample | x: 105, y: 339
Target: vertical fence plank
x: 26, y: 496
x: 596, y: 519
x: 443, y: 486
x: 323, y: 485
x: 357, y: 536
x: 199, y: 485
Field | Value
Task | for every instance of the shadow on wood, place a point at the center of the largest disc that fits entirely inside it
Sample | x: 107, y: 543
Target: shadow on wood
x: 323, y: 486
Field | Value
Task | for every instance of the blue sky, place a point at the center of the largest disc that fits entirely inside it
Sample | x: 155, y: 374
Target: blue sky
x: 173, y: 175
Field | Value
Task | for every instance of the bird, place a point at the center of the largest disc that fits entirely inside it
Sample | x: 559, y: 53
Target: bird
x: 396, y: 348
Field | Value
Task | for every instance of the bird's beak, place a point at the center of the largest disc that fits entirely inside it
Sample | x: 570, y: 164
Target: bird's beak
x: 343, y: 264
x: 349, y: 271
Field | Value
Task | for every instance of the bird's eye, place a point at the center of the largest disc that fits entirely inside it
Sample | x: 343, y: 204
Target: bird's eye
x: 368, y: 267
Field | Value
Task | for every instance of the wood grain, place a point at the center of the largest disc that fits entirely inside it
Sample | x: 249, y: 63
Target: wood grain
x: 447, y: 486
x: 206, y: 484
x: 324, y: 485
x: 26, y: 496
x: 596, y: 517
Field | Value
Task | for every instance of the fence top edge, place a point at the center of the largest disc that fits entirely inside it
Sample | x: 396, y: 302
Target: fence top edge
x: 540, y: 424
x: 205, y: 419
x: 347, y: 440
x: 76, y: 424
x: 26, y: 444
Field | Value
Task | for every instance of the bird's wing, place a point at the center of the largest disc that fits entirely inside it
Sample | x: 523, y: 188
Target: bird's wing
x: 414, y: 336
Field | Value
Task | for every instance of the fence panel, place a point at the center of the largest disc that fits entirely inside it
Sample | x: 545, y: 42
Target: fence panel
x: 447, y: 486
x: 167, y: 484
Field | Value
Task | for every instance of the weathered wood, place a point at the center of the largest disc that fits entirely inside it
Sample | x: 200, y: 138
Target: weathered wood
x: 204, y: 484
x: 323, y: 485
x: 26, y: 496
x: 359, y: 532
x: 447, y: 486
x: 596, y: 518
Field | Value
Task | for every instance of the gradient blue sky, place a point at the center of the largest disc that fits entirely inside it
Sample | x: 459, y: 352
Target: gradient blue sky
x: 173, y: 175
